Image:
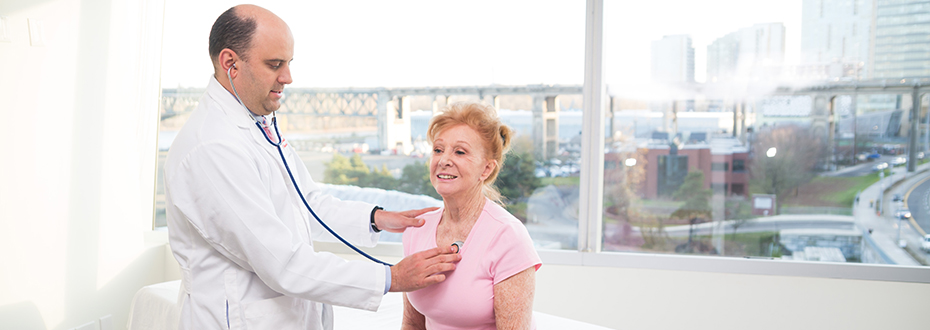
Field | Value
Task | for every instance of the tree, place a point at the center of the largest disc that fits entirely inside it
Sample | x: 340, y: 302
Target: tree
x: 695, y: 196
x: 353, y: 171
x: 517, y: 179
x: 414, y: 179
x: 796, y: 153
x: 621, y: 182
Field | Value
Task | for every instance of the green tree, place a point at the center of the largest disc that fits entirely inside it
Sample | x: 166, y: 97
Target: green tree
x: 517, y: 179
x: 353, y: 171
x: 414, y: 179
x: 695, y: 196
x: 379, y: 179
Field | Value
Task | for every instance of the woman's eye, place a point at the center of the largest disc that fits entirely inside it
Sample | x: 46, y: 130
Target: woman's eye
x: 437, y: 151
x: 459, y: 152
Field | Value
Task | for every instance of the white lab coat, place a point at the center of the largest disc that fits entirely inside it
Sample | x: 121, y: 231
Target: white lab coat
x: 241, y: 235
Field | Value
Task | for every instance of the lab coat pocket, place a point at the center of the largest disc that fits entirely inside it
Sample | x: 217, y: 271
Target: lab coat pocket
x: 281, y: 312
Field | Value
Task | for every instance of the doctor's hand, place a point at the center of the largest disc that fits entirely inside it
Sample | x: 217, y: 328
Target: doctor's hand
x: 423, y: 269
x: 396, y: 222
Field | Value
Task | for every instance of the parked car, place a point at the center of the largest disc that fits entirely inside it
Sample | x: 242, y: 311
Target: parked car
x: 879, y: 167
x: 900, y: 160
x: 897, y: 198
x: 925, y: 243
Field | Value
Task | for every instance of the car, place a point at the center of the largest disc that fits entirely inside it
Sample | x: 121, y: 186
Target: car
x: 902, y: 213
x: 899, y: 161
x: 879, y: 167
x: 874, y: 156
x: 925, y: 243
x: 897, y: 198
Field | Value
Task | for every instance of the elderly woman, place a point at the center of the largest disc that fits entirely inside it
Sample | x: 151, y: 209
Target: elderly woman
x: 492, y: 286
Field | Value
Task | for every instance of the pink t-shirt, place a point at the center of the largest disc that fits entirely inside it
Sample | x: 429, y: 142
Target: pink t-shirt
x: 497, y: 248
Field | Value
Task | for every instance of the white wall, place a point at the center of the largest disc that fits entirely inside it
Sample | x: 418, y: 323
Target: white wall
x: 633, y: 297
x: 78, y: 160
x: 626, y: 298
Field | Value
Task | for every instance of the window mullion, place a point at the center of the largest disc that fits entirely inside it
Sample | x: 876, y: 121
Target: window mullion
x: 591, y: 199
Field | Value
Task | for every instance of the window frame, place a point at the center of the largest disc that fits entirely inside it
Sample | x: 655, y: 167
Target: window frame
x: 591, y: 201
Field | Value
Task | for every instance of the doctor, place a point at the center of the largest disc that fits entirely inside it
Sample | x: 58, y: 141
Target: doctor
x: 241, y: 235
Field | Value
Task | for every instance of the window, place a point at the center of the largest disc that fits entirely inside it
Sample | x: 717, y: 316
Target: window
x: 666, y: 156
x: 359, y: 118
x: 739, y: 165
x: 777, y: 144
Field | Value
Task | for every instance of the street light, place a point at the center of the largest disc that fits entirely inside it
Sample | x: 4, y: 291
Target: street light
x: 630, y: 162
x: 771, y: 152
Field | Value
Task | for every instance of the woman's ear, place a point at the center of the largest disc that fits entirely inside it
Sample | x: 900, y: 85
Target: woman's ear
x: 488, y: 168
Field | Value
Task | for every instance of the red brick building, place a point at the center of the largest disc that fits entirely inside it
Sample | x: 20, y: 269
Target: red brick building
x: 724, y: 162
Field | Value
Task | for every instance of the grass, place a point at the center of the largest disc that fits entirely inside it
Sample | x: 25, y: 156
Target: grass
x: 854, y: 184
x: 830, y: 191
x: 562, y: 181
x: 752, y: 244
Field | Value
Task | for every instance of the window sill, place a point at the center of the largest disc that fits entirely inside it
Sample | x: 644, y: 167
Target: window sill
x: 729, y: 265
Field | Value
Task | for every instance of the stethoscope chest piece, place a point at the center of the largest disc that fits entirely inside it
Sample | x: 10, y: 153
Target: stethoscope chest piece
x: 458, y: 246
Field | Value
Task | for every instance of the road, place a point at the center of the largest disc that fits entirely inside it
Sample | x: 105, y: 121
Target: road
x: 917, y: 200
x: 860, y: 169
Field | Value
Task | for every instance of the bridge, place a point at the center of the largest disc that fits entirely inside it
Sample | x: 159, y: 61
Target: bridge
x: 389, y: 108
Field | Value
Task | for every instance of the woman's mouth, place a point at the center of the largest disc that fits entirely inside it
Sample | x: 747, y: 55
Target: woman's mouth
x: 446, y: 176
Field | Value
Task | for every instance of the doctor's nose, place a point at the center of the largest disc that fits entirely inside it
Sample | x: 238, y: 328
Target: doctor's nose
x: 285, y: 77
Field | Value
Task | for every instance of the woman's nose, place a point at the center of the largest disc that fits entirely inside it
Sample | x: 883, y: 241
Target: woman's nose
x: 444, y: 160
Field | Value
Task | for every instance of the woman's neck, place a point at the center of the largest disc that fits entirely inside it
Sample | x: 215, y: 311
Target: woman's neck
x: 463, y: 211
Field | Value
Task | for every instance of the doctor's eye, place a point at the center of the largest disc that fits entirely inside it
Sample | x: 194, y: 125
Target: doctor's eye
x: 275, y: 64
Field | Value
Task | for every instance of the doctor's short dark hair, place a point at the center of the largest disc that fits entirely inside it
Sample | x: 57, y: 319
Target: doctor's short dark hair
x: 233, y: 32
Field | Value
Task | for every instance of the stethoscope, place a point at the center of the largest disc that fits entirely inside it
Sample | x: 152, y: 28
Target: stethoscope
x: 277, y: 145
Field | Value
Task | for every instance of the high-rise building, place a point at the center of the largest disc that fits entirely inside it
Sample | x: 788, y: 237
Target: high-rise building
x: 722, y: 56
x: 835, y: 38
x: 753, y: 52
x: 901, y: 39
x: 673, y: 59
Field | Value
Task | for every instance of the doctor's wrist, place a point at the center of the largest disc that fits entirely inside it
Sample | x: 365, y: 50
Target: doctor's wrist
x: 374, y: 226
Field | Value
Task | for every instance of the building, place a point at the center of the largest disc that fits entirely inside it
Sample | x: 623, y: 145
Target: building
x: 835, y: 39
x: 724, y: 162
x: 673, y: 59
x: 756, y: 52
x: 901, y: 39
x: 722, y: 57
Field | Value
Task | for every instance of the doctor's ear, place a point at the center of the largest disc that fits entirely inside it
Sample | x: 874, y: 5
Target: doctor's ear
x: 227, y: 59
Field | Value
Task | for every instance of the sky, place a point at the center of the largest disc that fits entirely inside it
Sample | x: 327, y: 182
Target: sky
x: 477, y: 42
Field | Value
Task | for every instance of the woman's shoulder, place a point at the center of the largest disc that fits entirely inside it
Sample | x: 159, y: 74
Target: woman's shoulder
x: 500, y: 215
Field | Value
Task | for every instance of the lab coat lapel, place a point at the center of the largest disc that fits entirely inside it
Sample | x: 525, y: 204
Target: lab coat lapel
x: 238, y: 114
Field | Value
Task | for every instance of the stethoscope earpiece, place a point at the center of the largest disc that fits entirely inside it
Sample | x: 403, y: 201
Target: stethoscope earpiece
x: 458, y: 246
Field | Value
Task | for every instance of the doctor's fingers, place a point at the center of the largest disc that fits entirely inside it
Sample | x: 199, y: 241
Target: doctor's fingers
x: 416, y: 213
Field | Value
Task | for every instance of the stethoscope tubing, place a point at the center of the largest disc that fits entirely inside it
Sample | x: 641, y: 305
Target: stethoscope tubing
x: 274, y: 122
x: 277, y: 145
